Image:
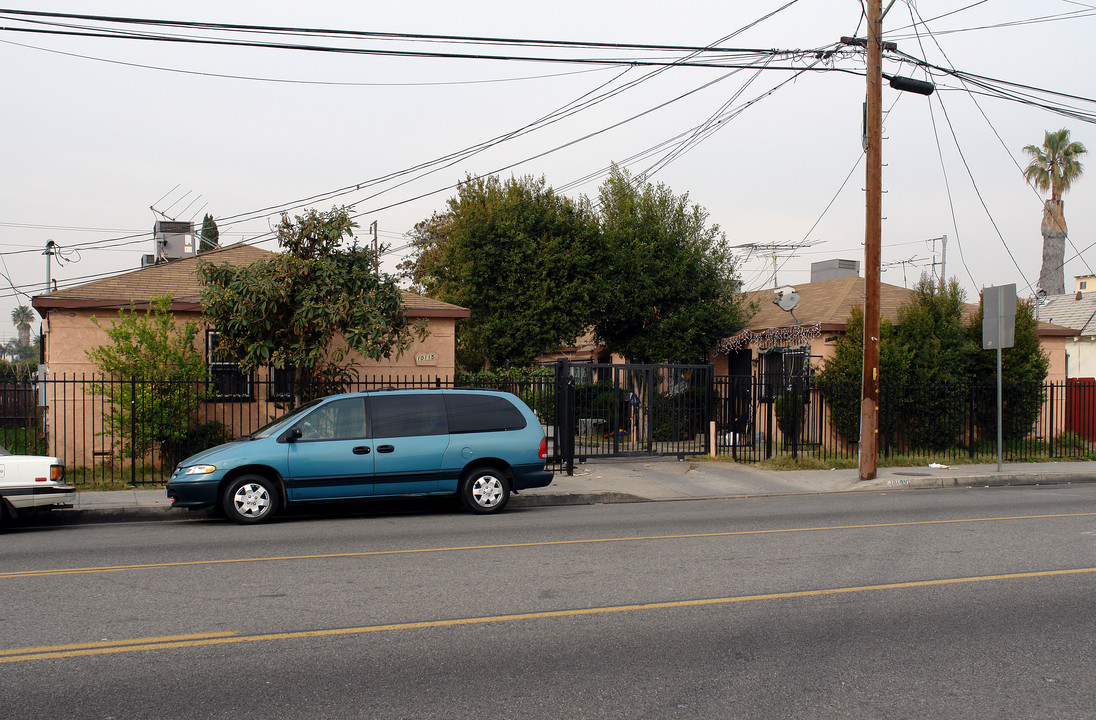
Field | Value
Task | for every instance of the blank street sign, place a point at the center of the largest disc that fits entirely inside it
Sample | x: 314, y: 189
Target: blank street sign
x: 999, y: 318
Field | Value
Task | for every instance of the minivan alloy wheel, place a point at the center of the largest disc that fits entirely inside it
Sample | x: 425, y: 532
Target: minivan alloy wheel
x: 250, y: 499
x: 485, y: 491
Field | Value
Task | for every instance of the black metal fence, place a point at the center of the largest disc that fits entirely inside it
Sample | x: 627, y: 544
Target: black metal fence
x: 111, y: 430
x: 947, y: 423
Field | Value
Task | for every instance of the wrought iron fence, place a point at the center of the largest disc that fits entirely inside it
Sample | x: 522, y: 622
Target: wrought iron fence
x: 1048, y: 421
x: 111, y: 430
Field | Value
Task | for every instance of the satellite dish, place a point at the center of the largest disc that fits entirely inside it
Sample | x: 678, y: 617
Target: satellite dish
x: 787, y: 301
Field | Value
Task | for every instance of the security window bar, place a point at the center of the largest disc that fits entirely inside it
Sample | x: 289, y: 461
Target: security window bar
x: 226, y: 380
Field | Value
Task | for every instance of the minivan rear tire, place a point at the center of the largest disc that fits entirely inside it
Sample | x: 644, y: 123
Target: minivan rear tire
x: 485, y: 490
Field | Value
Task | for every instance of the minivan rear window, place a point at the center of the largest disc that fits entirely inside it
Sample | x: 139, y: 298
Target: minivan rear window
x: 482, y: 413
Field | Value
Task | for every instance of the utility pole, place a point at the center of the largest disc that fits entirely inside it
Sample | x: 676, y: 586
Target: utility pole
x: 943, y: 259
x: 51, y: 248
x: 873, y: 241
x: 376, y: 247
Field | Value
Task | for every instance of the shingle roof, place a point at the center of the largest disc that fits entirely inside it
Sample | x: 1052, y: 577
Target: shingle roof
x: 1075, y: 310
x: 179, y: 277
x: 829, y: 302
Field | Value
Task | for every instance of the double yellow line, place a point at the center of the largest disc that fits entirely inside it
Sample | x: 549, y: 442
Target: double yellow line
x: 54, y: 652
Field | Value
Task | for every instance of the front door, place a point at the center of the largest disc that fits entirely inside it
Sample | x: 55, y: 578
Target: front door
x: 333, y: 457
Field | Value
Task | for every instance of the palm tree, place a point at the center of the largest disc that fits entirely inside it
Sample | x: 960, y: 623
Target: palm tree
x: 1054, y: 167
x: 21, y: 318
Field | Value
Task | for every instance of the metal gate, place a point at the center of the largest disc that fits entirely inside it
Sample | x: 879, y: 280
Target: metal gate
x: 628, y: 410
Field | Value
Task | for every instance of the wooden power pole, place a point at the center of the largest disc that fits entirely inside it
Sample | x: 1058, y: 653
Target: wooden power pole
x: 873, y: 240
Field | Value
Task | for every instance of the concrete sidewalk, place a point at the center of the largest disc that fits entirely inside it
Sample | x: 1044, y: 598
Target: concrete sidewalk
x: 654, y: 479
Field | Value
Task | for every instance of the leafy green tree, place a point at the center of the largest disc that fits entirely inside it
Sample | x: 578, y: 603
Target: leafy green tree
x: 930, y: 395
x: 667, y: 290
x: 841, y: 376
x: 1023, y: 371
x: 151, y: 363
x: 21, y: 318
x: 306, y: 308
x: 210, y: 235
x: 523, y: 259
x: 425, y: 266
x: 20, y: 361
x: 1054, y: 167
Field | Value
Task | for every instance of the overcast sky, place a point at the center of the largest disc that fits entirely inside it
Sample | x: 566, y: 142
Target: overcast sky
x: 98, y: 130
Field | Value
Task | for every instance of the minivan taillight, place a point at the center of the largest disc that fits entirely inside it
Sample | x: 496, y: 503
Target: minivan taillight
x: 543, y: 454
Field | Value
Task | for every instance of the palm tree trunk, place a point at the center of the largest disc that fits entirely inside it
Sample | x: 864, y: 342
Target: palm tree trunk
x: 1052, y: 275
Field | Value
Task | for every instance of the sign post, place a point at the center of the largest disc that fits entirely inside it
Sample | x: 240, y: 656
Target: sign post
x: 999, y: 331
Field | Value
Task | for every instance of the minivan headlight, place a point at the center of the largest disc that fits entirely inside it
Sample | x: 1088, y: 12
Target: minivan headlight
x: 199, y: 469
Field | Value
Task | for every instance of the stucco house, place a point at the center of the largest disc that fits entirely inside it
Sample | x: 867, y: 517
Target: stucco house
x: 775, y: 342
x: 1076, y: 310
x: 69, y: 331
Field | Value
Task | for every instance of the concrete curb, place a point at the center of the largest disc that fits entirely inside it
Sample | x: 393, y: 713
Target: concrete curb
x: 624, y: 482
x: 916, y: 480
x: 594, y: 498
x: 96, y: 516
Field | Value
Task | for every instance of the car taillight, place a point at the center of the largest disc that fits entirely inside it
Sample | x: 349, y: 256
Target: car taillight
x: 543, y: 454
x: 56, y: 472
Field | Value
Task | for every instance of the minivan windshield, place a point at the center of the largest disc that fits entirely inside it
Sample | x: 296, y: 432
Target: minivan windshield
x: 276, y: 426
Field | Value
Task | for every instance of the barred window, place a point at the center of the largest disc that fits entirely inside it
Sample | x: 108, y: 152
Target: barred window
x: 779, y: 368
x: 226, y: 380
x: 282, y: 382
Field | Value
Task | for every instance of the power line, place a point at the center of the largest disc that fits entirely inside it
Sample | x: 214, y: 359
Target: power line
x: 289, y: 81
x: 273, y: 29
x: 999, y: 139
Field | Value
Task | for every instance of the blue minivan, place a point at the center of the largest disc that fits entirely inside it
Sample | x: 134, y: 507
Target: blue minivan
x: 478, y: 444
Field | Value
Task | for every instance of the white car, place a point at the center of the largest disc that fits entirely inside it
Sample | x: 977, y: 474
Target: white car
x: 30, y: 482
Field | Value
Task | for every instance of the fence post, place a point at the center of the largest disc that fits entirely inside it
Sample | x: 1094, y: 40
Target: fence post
x: 133, y: 431
x: 1050, y: 434
x: 795, y: 418
x: 708, y: 416
x: 970, y: 422
x: 565, y: 416
x: 769, y: 428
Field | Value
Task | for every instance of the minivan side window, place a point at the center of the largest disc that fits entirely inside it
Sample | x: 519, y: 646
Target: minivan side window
x: 339, y: 420
x: 407, y: 415
x: 482, y: 413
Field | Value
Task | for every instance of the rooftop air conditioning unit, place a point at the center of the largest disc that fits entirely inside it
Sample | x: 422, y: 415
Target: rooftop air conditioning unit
x: 149, y: 259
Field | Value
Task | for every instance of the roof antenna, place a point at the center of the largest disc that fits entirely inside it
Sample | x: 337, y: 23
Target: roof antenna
x: 152, y: 207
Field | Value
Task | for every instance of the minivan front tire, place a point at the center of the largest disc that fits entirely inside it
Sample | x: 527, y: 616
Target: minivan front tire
x: 485, y: 490
x: 250, y: 499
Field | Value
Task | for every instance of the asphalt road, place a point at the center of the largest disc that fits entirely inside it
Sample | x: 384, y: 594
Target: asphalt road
x: 907, y: 604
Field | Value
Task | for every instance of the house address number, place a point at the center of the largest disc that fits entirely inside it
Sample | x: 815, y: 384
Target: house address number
x: 426, y: 359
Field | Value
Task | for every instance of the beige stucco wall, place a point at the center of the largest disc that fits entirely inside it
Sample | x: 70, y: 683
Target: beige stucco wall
x: 1055, y: 348
x: 1081, y: 357
x: 75, y: 417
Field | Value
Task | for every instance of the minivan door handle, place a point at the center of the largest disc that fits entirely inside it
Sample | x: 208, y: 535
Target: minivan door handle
x: 386, y: 448
x: 361, y: 450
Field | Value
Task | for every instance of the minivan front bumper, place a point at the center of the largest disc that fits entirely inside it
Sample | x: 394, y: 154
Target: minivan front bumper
x: 193, y: 494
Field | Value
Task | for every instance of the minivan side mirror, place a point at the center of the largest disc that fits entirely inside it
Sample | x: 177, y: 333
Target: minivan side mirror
x: 292, y: 434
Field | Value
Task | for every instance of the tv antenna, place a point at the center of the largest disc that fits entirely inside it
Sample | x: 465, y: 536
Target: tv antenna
x: 163, y: 214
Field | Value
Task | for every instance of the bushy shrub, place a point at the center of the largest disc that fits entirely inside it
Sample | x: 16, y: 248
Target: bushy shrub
x: 195, y: 440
